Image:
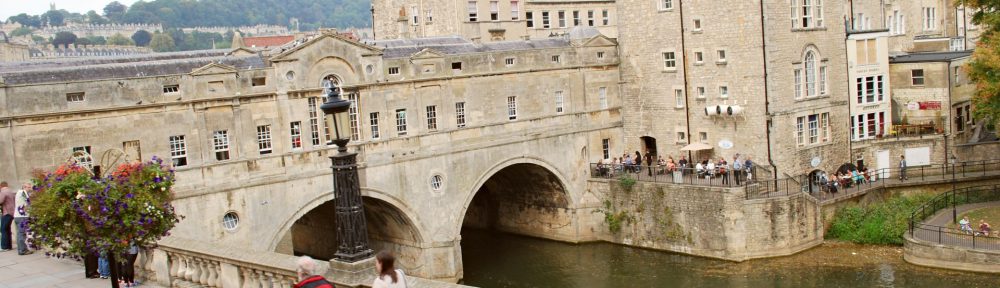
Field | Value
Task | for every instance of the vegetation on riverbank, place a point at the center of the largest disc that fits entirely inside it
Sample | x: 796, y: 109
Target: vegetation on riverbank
x: 880, y: 223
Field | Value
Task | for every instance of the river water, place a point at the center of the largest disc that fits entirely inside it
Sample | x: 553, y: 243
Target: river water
x: 493, y: 259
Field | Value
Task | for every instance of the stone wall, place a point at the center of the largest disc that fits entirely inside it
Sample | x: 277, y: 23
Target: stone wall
x: 709, y: 222
x: 929, y: 254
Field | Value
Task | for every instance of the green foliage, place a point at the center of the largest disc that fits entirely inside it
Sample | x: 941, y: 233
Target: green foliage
x: 614, y: 218
x: 20, y: 31
x: 54, y: 18
x: 162, y: 43
x: 876, y: 223
x: 64, y: 38
x: 115, y: 11
x: 82, y: 42
x: 26, y: 20
x: 142, y: 37
x: 984, y: 68
x: 97, y: 40
x: 73, y: 214
x: 626, y: 182
x: 310, y: 13
x: 120, y: 40
x: 96, y: 19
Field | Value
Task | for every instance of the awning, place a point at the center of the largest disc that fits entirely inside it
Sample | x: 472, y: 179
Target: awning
x: 696, y: 147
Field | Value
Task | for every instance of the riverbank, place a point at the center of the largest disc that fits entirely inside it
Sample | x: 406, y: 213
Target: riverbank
x: 503, y: 260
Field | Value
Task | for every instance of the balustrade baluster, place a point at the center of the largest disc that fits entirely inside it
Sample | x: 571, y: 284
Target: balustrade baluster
x: 196, y: 269
x: 182, y: 270
x: 247, y: 278
x: 175, y: 264
x: 262, y: 279
x: 213, y: 274
x: 203, y: 271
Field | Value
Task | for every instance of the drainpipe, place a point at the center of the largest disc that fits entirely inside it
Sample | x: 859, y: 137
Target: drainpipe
x: 767, y: 102
x: 965, y: 29
x: 948, y: 119
x: 687, y: 106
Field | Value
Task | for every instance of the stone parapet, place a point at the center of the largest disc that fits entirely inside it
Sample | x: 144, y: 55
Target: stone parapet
x: 929, y: 254
x: 178, y: 262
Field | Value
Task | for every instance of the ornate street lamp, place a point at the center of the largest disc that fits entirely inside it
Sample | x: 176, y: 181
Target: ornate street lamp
x: 352, y: 227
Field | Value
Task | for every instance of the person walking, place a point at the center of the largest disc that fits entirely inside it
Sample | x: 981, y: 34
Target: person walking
x: 902, y: 168
x: 388, y: 275
x: 737, y: 169
x: 310, y: 274
x: 7, y: 205
x: 21, y: 218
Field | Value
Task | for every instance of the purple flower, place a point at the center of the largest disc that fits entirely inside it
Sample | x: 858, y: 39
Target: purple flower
x: 129, y: 195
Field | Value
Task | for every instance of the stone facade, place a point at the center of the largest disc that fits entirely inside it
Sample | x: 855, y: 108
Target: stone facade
x: 177, y: 106
x: 709, y: 222
x: 488, y: 21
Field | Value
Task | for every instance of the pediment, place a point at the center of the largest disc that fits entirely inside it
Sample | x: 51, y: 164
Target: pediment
x: 212, y: 69
x: 599, y: 41
x: 427, y: 53
x: 291, y: 54
x: 242, y: 51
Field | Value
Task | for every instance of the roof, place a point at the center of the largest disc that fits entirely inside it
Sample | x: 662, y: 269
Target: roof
x: 930, y: 57
x: 114, y: 70
x: 267, y: 41
x: 454, y: 45
x: 72, y: 62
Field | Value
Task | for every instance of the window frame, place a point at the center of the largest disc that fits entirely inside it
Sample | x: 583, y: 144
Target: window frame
x: 401, y: 128
x: 373, y: 123
x: 511, y: 108
x: 431, y: 117
x: 178, y: 150
x: 914, y: 77
x: 295, y: 134
x: 264, y: 139
x: 221, y: 144
x: 460, y: 114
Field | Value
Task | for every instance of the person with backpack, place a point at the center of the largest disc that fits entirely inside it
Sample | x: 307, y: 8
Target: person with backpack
x: 310, y: 274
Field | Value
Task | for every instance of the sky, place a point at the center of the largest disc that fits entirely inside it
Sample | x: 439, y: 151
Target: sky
x: 37, y: 7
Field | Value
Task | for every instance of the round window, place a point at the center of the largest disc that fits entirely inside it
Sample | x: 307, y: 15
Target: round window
x: 230, y: 221
x: 369, y: 69
x: 436, y: 182
x: 290, y: 75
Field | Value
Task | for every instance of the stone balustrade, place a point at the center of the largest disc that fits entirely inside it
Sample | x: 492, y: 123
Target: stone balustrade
x: 178, y: 262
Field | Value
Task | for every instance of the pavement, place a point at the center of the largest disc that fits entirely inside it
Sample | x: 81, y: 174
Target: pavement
x: 956, y: 238
x: 37, y: 270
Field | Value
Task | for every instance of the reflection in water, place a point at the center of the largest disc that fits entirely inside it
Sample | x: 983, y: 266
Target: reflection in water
x: 495, y: 259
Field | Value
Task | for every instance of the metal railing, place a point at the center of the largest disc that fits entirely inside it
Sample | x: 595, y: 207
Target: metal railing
x: 663, y: 174
x: 951, y: 236
x: 763, y: 186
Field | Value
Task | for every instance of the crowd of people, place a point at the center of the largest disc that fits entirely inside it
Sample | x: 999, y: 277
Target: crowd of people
x: 741, y: 167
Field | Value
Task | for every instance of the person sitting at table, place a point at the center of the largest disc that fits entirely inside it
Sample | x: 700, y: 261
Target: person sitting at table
x: 857, y: 177
x: 671, y: 165
x: 700, y: 169
x: 616, y: 165
x: 660, y: 165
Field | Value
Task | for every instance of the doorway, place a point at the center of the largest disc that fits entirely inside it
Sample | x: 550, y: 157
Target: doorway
x: 649, y: 144
x: 884, y: 163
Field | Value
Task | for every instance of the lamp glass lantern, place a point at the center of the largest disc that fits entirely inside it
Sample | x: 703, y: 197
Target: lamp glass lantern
x: 337, y: 117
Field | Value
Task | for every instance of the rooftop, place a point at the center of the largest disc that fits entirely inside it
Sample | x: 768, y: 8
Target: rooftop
x: 267, y: 41
x: 929, y: 57
x: 454, y: 45
x: 125, y: 67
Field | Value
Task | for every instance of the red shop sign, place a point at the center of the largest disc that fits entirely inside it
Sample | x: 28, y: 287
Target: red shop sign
x: 930, y: 105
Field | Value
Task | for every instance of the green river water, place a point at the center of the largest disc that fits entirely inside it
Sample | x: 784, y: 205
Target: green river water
x: 494, y: 259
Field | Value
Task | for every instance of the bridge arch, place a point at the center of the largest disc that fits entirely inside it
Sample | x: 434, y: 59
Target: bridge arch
x: 391, y: 225
x: 534, y: 188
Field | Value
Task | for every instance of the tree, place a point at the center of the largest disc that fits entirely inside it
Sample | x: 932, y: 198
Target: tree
x: 984, y: 68
x: 142, y: 37
x: 20, y: 31
x: 98, y: 40
x: 162, y: 43
x: 54, y: 18
x: 120, y: 40
x: 64, y: 38
x: 77, y: 213
x: 83, y: 42
x: 26, y: 20
x: 115, y: 11
x: 96, y: 19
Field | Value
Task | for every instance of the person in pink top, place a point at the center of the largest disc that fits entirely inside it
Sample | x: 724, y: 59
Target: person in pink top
x: 7, y: 205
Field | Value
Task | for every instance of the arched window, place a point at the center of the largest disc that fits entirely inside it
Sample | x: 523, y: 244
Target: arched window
x: 810, y: 67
